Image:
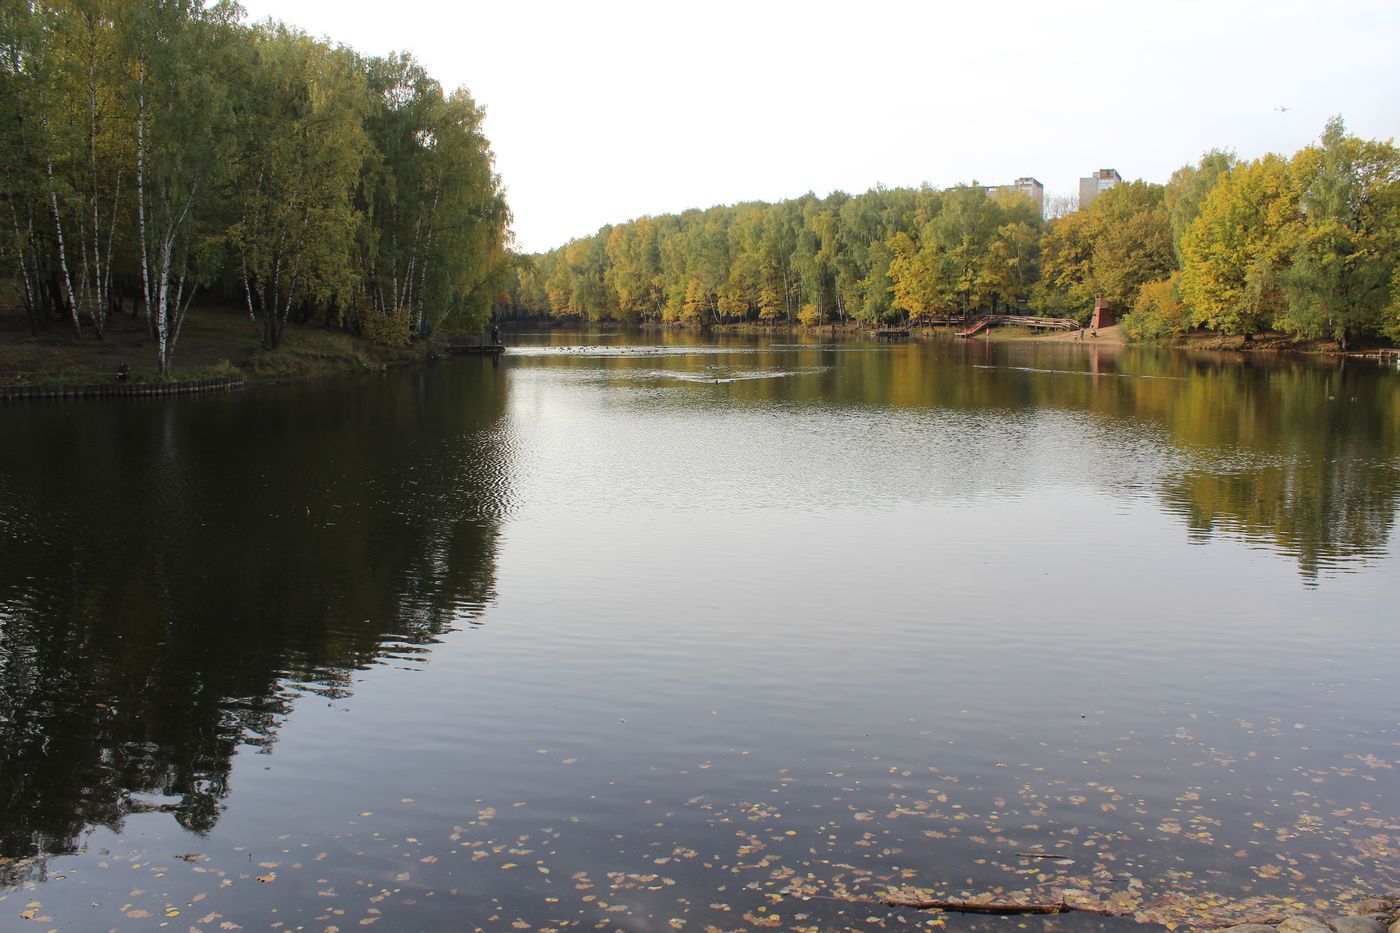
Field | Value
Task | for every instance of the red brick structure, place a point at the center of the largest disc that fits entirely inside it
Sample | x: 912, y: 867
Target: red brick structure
x: 1103, y: 316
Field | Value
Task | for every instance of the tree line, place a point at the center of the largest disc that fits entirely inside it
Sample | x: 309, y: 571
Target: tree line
x: 154, y: 148
x: 1307, y: 245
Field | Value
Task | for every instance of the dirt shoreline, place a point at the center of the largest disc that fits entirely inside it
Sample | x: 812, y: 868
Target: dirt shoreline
x: 218, y: 343
x: 215, y: 343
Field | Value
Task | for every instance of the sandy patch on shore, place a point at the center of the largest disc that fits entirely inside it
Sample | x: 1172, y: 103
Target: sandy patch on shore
x: 1107, y: 336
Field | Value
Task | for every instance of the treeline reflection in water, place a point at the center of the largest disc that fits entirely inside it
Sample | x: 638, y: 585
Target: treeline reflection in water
x: 1297, y: 454
x: 176, y: 573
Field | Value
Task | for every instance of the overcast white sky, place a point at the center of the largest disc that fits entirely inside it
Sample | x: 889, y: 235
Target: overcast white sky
x: 604, y: 111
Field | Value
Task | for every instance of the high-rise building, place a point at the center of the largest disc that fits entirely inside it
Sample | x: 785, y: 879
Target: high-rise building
x: 1027, y: 186
x: 1096, y: 184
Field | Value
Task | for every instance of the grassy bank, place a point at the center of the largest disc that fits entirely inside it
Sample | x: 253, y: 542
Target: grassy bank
x: 215, y: 341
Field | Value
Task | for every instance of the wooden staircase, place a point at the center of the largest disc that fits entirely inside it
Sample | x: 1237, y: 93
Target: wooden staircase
x: 977, y: 325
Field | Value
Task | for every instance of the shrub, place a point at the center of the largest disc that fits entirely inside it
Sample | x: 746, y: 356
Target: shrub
x: 1158, y: 313
x: 809, y: 316
x: 388, y: 328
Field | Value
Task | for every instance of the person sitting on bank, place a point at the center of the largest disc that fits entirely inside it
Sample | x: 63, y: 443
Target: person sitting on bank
x: 123, y: 371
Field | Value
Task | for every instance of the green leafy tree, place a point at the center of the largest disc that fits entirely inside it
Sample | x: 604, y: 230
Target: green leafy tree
x: 25, y: 73
x: 913, y: 279
x: 1235, y: 252
x: 85, y: 114
x: 1158, y: 313
x: 877, y: 287
x: 1188, y: 188
x: 304, y: 146
x: 1341, y: 280
x: 185, y: 128
x: 1110, y: 250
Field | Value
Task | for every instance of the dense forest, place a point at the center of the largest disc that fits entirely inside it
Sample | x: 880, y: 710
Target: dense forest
x: 154, y: 148
x: 1308, y: 245
x: 158, y: 149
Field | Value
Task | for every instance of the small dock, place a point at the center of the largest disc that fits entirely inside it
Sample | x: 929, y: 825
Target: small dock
x: 892, y: 334
x: 475, y: 349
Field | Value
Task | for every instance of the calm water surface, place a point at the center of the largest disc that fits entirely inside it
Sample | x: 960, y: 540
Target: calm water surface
x: 649, y: 632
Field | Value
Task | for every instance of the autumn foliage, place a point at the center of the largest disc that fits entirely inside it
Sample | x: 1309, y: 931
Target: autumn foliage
x: 1306, y: 244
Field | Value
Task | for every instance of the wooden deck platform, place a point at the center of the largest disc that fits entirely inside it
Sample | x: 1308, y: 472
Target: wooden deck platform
x: 476, y: 349
x: 988, y: 321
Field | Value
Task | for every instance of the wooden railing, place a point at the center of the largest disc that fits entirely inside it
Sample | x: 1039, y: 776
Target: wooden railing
x: 977, y: 325
x: 1021, y: 320
x: 1054, y: 323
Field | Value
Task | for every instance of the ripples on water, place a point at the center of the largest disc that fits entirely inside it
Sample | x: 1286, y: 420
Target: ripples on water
x: 632, y: 634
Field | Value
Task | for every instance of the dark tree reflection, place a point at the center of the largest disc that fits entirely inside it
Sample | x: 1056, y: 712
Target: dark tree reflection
x: 174, y: 575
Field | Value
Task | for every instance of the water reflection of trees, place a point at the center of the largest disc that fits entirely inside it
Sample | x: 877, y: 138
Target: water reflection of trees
x: 1295, y: 454
x: 173, y: 576
x: 1300, y: 457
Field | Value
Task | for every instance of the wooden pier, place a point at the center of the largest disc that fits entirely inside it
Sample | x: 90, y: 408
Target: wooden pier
x: 475, y: 349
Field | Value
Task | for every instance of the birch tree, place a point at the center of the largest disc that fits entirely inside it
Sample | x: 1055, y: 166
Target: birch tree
x: 464, y: 259
x: 88, y: 113
x: 1341, y: 280
x: 185, y: 142
x: 303, y: 146
x: 21, y: 246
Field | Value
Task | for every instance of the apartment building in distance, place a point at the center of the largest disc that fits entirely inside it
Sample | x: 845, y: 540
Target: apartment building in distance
x: 1096, y: 184
x: 1027, y: 186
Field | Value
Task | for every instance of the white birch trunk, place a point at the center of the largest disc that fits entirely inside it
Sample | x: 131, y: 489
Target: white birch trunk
x: 181, y: 308
x: 148, y: 292
x: 98, y: 309
x: 161, y: 298
x: 28, y: 275
x: 427, y: 253
x: 106, y: 272
x: 62, y: 256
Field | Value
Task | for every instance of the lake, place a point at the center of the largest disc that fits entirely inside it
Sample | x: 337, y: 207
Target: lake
x: 651, y: 631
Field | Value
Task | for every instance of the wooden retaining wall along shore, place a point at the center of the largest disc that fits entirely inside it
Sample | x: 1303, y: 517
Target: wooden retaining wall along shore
x: 122, y: 389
